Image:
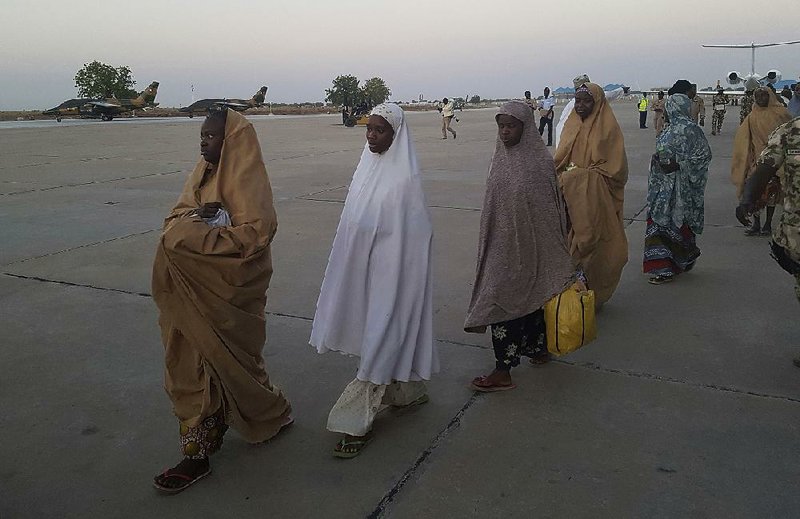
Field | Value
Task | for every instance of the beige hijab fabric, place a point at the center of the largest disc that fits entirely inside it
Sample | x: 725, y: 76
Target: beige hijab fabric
x: 523, y: 259
x: 592, y: 170
x: 210, y: 286
x: 751, y: 137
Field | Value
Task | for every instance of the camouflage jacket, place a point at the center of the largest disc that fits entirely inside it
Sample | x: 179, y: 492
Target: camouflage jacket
x: 783, y: 150
x: 746, y: 106
x: 719, y: 100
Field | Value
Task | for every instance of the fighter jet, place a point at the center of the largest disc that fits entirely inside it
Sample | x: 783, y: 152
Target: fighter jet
x: 105, y: 109
x: 235, y: 104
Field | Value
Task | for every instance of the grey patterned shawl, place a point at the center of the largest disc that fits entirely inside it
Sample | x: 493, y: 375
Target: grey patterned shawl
x: 523, y: 259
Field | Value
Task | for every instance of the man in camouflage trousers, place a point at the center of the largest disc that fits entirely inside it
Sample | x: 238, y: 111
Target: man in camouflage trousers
x: 746, y: 105
x: 719, y: 104
x: 782, y: 151
x: 748, y: 98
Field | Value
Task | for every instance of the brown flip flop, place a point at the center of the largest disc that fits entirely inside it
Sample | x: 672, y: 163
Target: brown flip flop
x: 490, y: 388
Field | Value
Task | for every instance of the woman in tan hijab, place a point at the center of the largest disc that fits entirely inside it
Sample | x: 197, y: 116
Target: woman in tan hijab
x: 751, y: 138
x: 592, y: 171
x: 210, y: 277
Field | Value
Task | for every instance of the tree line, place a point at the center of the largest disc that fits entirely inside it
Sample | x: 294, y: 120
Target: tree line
x: 100, y: 80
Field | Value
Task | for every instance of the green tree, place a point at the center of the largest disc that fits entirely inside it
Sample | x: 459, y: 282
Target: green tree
x: 475, y: 100
x: 97, y: 79
x: 344, y: 92
x: 375, y: 91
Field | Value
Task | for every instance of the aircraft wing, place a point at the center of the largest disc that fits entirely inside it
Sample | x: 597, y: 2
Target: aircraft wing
x: 232, y: 105
x: 726, y: 92
x: 102, y: 104
x: 752, y: 45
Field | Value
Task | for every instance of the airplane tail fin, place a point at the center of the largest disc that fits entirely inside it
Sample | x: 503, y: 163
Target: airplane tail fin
x: 258, y: 98
x: 148, y: 95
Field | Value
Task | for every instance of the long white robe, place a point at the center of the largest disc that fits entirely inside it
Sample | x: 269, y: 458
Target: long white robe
x: 376, y: 298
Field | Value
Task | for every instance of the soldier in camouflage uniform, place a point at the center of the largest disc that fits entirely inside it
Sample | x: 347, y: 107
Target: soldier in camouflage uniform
x: 719, y: 104
x: 746, y: 105
x: 783, y: 150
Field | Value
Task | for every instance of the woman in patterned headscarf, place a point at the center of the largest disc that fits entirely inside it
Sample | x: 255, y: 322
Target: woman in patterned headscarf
x: 675, y: 191
x: 376, y: 298
x: 523, y: 259
x: 592, y: 170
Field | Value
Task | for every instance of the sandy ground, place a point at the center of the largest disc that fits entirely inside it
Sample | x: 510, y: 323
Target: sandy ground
x: 687, y: 405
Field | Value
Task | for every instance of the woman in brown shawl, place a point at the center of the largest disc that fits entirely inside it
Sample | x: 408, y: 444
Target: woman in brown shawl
x: 523, y: 259
x: 751, y: 138
x: 592, y: 171
x: 210, y: 277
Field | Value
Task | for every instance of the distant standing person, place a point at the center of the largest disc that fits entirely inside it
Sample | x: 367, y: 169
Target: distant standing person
x: 528, y: 101
x: 675, y: 194
x: 698, y: 113
x: 719, y: 104
x: 448, y: 112
x: 794, y: 104
x: 376, y: 297
x: 658, y: 113
x: 786, y: 94
x: 746, y: 105
x: 523, y: 260
x: 783, y: 148
x: 747, y: 99
x: 546, y: 114
x: 643, y: 112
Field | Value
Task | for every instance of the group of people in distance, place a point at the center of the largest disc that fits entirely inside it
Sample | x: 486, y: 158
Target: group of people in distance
x: 548, y: 223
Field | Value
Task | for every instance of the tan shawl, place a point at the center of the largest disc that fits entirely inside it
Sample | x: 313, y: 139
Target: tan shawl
x: 751, y: 138
x: 592, y: 170
x: 210, y: 286
x: 658, y: 114
x: 523, y: 259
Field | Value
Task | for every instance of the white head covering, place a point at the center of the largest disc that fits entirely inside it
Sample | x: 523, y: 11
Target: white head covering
x: 376, y: 298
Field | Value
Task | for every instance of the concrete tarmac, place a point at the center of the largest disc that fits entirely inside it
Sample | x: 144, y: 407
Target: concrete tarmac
x: 687, y: 404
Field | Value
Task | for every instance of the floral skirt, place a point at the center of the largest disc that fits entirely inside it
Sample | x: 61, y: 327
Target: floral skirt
x: 668, y: 251
x: 523, y: 336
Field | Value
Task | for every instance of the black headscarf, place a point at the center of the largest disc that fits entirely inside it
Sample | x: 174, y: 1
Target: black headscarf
x: 681, y: 86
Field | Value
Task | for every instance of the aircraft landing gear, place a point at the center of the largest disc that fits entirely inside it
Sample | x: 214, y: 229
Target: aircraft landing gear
x: 106, y: 117
x: 191, y: 115
x: 58, y: 119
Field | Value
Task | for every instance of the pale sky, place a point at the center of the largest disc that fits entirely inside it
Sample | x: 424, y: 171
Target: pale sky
x: 296, y: 47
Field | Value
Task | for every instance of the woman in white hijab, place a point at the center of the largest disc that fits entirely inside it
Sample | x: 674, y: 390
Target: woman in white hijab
x: 376, y: 298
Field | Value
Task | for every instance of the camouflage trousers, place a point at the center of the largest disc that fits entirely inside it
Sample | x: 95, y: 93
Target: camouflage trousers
x: 716, y: 121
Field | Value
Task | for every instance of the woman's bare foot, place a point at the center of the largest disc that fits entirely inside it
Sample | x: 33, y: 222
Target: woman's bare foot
x: 497, y: 380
